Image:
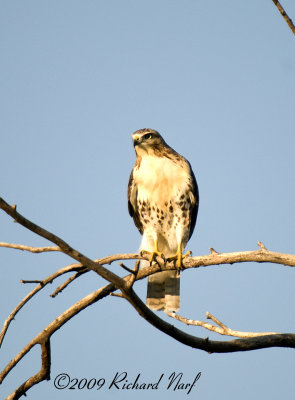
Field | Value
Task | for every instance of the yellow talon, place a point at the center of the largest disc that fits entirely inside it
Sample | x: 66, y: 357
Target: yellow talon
x: 179, y: 256
x: 155, y: 253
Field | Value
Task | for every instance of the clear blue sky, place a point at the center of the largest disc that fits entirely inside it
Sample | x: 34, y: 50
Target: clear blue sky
x: 217, y: 79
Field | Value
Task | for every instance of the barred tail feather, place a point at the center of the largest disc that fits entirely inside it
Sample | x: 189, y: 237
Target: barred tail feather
x: 163, y: 291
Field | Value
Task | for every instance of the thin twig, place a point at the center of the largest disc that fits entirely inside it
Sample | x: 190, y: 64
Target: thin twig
x: 134, y: 274
x: 60, y: 288
x: 29, y: 248
x: 213, y: 251
x: 284, y: 15
x: 126, y: 268
x: 117, y: 295
x: 261, y: 245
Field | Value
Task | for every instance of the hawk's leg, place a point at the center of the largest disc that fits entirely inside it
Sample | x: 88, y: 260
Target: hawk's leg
x: 153, y: 254
x: 179, y: 256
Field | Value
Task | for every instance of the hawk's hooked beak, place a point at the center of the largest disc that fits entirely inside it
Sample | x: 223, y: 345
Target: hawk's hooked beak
x: 136, y: 140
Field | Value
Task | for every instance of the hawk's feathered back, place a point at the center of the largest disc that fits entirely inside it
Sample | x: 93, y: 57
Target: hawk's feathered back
x: 163, y: 202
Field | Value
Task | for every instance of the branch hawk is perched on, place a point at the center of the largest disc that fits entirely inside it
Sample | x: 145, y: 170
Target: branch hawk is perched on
x: 163, y: 201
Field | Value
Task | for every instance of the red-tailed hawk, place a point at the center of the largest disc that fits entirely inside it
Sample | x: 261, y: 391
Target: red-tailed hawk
x: 163, y: 201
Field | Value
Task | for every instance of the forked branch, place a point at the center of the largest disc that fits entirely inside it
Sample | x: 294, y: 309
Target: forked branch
x: 222, y: 329
x: 43, y: 374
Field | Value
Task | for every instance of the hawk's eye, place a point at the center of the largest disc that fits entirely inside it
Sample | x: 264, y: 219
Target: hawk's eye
x: 148, y: 136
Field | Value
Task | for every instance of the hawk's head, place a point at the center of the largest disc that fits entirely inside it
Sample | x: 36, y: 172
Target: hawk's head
x: 147, y: 141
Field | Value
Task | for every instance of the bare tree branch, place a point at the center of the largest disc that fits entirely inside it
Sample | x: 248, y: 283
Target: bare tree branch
x: 134, y: 273
x: 43, y: 374
x: 285, y: 15
x: 46, y: 333
x: 40, y: 286
x: 65, y: 247
x: 279, y: 340
x: 29, y: 248
x: 222, y: 329
x: 68, y: 281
